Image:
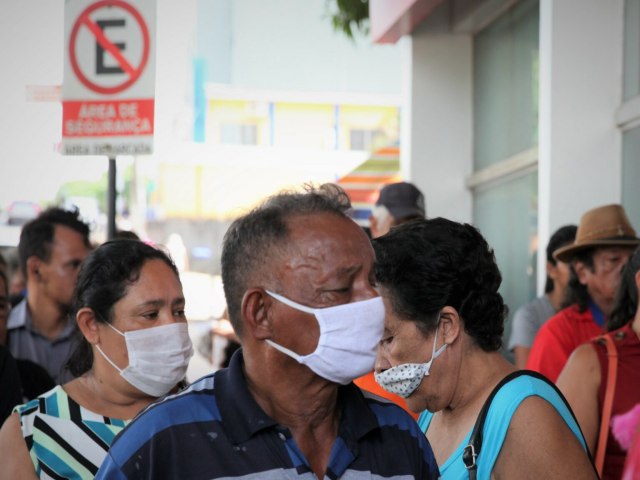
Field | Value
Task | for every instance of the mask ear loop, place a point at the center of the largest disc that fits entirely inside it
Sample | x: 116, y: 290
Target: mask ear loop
x: 120, y: 370
x: 285, y: 350
x: 295, y: 306
x: 435, y: 353
x: 291, y: 303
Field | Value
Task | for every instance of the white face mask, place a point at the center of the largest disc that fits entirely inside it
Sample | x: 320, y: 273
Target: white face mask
x: 405, y: 378
x: 158, y: 357
x: 349, y: 335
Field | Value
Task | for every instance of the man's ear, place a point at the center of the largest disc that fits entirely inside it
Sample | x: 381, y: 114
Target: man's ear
x: 88, y: 325
x: 33, y: 268
x: 255, y: 313
x: 450, y: 324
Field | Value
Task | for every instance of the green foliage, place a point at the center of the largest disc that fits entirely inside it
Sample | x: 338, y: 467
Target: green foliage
x: 349, y: 16
x: 83, y: 188
x: 97, y: 189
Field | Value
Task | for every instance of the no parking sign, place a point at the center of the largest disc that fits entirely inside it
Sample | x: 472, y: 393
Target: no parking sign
x: 109, y: 77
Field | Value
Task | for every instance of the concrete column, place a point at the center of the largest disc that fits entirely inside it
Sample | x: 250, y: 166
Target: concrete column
x: 436, y: 122
x: 581, y: 51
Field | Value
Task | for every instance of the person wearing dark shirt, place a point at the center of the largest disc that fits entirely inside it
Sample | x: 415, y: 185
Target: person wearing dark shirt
x: 10, y: 388
x: 300, y: 289
x: 51, y: 250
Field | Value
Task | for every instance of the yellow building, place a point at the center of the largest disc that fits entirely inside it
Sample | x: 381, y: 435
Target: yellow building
x: 258, y: 142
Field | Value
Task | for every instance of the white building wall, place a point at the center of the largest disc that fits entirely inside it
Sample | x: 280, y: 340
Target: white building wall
x: 437, y: 129
x: 581, y: 51
x: 31, y: 55
x: 291, y: 45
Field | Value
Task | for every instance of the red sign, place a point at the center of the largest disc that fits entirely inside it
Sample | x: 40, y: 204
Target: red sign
x: 108, y: 118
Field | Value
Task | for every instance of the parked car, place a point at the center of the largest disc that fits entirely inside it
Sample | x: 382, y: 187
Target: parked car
x: 20, y: 212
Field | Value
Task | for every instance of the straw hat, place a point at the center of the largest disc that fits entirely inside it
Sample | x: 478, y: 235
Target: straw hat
x: 606, y: 226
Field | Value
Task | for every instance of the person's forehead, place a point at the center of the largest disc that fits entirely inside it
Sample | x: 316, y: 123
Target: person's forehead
x: 327, y: 238
x: 65, y: 235
x: 155, y: 278
x: 613, y: 250
x: 66, y: 238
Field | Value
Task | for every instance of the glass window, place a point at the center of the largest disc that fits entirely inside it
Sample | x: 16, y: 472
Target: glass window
x: 631, y: 49
x: 360, y: 139
x: 631, y: 175
x: 506, y: 85
x: 505, y: 124
x: 507, y: 216
x: 238, y: 134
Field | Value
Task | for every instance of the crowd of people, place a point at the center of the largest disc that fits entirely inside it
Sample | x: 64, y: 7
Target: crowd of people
x: 361, y: 354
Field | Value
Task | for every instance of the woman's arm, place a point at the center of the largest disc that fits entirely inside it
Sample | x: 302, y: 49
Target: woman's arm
x: 16, y: 462
x: 579, y: 382
x: 539, y: 444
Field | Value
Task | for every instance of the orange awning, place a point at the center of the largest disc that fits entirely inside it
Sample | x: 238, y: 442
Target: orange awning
x: 363, y: 184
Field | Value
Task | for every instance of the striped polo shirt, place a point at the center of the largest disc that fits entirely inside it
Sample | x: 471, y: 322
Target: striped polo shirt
x: 215, y: 429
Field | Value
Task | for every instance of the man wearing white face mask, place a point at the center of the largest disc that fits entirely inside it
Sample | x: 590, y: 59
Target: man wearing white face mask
x: 298, y: 279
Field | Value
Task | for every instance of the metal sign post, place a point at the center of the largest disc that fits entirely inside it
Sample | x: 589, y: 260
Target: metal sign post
x: 111, y: 200
x: 108, y: 89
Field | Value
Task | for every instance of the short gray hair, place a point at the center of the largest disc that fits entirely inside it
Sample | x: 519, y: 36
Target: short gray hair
x: 263, y: 233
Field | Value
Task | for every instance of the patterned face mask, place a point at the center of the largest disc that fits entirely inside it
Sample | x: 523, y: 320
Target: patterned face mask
x: 405, y: 378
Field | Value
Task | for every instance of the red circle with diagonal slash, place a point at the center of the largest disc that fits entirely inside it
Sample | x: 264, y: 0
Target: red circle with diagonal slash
x: 134, y: 72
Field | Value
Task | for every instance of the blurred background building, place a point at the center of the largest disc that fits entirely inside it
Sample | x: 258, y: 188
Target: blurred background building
x: 518, y: 116
x: 515, y: 115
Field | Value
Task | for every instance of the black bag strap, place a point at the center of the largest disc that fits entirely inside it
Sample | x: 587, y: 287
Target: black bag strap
x: 472, y: 450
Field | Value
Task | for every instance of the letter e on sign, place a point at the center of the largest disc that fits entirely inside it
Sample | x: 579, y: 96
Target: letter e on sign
x: 102, y: 21
x: 108, y: 88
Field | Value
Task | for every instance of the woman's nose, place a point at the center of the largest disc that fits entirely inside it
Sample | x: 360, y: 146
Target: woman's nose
x: 382, y: 363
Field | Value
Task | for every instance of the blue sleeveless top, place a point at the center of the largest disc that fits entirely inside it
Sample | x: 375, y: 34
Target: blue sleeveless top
x: 504, y: 405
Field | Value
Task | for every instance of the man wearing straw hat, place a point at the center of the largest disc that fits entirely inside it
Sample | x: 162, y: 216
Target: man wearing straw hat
x: 604, y: 242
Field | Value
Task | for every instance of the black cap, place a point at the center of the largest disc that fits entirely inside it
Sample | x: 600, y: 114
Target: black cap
x: 402, y: 199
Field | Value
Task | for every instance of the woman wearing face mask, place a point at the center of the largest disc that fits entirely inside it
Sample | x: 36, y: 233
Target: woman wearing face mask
x: 133, y: 348
x: 440, y: 351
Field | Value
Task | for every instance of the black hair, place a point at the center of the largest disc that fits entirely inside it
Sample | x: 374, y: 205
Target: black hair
x: 126, y: 234
x: 426, y: 265
x: 399, y: 221
x: 561, y: 237
x: 37, y: 235
x: 103, y: 279
x: 626, y: 303
x: 5, y: 278
x: 577, y: 293
x: 262, y: 234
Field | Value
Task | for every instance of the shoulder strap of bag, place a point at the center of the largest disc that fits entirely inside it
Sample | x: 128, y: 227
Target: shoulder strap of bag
x: 612, y: 373
x: 472, y: 450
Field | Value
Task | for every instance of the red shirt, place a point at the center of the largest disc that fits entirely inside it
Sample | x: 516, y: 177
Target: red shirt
x: 558, y: 338
x: 368, y: 382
